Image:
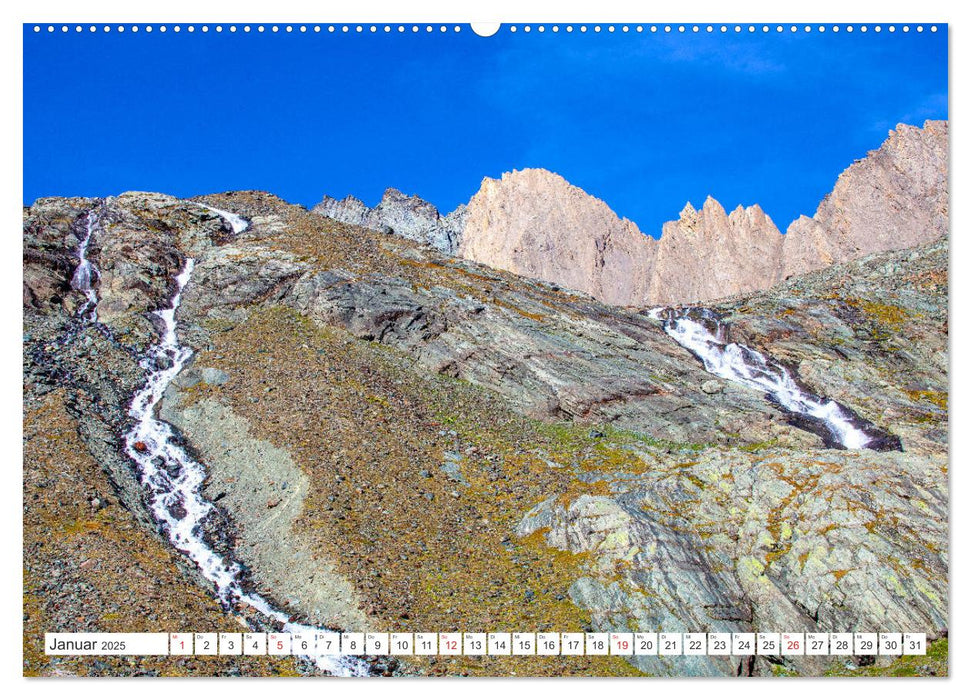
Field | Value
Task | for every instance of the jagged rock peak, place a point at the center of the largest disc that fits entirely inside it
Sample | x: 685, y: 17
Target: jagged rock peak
x: 408, y: 216
x: 393, y: 196
x: 691, y: 219
x: 706, y: 254
x: 534, y: 177
x: 535, y: 223
x: 540, y: 182
x: 713, y: 206
x: 896, y: 197
x: 752, y: 213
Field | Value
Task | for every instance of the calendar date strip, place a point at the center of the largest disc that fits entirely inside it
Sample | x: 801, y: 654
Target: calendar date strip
x: 487, y: 644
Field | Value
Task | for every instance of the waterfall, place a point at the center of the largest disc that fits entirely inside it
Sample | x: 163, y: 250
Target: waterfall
x: 702, y: 333
x: 174, y: 482
x: 85, y: 274
x: 238, y: 223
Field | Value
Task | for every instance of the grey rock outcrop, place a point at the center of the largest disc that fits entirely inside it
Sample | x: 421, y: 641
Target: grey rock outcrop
x: 408, y: 216
x: 740, y: 543
x: 238, y: 275
x: 671, y: 584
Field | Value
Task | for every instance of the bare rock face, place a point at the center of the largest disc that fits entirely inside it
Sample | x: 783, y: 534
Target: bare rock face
x: 896, y: 197
x: 533, y: 222
x: 767, y: 565
x: 405, y: 215
x: 52, y: 230
x: 708, y: 254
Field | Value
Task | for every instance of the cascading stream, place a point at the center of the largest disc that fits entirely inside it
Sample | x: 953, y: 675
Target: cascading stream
x: 238, y: 223
x: 85, y: 274
x: 741, y: 364
x: 173, y: 479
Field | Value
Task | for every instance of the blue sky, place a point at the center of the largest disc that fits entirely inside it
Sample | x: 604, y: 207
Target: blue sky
x: 644, y: 121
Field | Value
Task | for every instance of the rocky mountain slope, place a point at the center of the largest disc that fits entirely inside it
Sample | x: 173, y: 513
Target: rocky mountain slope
x: 534, y: 223
x: 443, y: 445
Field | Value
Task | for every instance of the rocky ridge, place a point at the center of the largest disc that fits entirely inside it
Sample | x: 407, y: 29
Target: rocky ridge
x: 708, y: 254
x: 408, y: 216
x: 534, y: 223
x: 896, y: 197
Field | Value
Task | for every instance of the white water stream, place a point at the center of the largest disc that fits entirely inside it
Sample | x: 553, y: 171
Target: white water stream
x: 738, y: 363
x: 172, y: 478
x: 238, y: 223
x: 86, y: 273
